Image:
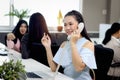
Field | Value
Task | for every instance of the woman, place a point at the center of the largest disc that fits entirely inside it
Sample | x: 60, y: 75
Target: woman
x: 76, y: 56
x: 13, y: 40
x: 31, y: 42
x: 111, y: 40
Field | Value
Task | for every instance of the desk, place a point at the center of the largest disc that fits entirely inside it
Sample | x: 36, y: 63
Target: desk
x: 12, y: 54
x: 9, y: 54
x: 32, y: 65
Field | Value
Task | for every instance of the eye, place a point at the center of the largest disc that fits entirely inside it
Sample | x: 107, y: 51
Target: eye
x: 70, y: 24
x: 65, y: 25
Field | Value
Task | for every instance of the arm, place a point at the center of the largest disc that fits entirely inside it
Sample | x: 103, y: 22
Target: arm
x: 51, y: 63
x: 76, y: 58
x: 24, y: 47
x: 46, y: 41
x: 10, y: 44
x: 17, y: 46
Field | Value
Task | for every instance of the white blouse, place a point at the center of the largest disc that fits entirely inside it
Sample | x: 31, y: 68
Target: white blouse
x: 64, y: 58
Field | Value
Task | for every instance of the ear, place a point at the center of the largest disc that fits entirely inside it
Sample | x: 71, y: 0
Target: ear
x: 119, y: 31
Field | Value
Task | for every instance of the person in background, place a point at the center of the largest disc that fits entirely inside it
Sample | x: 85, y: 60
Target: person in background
x: 13, y: 39
x: 31, y: 42
x: 75, y: 55
x: 112, y: 41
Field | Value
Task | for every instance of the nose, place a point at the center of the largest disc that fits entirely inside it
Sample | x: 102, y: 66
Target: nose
x: 67, y: 27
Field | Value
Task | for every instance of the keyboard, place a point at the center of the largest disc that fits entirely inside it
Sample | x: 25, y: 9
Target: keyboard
x: 42, y: 74
x: 32, y: 75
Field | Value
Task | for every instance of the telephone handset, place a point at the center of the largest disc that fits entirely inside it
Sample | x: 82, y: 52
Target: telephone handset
x: 80, y: 26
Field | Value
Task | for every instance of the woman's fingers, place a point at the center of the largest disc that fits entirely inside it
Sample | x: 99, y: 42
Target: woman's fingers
x: 45, y: 37
x: 10, y: 36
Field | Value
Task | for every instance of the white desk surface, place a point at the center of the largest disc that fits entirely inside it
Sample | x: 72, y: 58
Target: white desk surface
x: 32, y: 65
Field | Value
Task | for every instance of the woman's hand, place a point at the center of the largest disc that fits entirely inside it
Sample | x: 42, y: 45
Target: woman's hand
x: 46, y: 41
x: 10, y: 36
x: 75, y: 36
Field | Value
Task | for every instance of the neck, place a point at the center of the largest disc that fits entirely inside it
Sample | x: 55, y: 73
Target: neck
x: 115, y: 35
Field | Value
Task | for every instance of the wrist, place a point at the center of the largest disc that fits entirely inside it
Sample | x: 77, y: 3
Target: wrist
x: 72, y: 44
x: 47, y: 47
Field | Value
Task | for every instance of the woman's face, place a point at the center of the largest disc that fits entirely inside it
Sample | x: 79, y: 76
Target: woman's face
x: 23, y: 28
x: 119, y: 34
x: 70, y: 24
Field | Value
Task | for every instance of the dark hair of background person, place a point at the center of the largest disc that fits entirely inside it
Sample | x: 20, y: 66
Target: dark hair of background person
x: 114, y: 28
x: 37, y: 27
x: 16, y: 30
x: 79, y: 18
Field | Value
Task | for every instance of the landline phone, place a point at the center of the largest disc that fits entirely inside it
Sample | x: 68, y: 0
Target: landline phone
x: 80, y: 26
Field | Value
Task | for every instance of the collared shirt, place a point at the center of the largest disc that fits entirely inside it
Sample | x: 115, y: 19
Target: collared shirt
x: 114, y: 44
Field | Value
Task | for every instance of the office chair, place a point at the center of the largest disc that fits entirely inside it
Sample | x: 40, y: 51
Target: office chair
x: 103, y: 58
x: 115, y: 65
x: 38, y: 53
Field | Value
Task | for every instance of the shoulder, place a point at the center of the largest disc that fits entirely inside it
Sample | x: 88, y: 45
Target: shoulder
x: 89, y: 45
x: 25, y: 37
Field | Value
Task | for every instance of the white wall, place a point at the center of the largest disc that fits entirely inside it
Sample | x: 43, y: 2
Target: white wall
x: 115, y: 11
x: 93, y: 13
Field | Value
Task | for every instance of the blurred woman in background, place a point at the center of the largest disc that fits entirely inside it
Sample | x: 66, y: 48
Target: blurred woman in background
x: 13, y: 39
x: 31, y: 42
x: 112, y: 41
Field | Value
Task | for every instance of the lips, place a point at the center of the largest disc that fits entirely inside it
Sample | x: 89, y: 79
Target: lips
x: 69, y: 32
x: 22, y: 32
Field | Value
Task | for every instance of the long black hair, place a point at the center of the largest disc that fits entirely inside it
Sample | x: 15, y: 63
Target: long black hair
x: 37, y: 27
x: 79, y: 18
x: 114, y: 28
x: 16, y: 30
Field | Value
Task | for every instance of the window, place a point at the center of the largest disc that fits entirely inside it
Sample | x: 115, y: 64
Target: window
x: 49, y: 8
x: 4, y: 9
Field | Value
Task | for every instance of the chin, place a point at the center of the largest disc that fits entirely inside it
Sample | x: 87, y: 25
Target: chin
x: 22, y: 33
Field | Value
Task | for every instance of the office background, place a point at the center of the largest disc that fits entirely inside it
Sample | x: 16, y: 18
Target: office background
x: 95, y: 12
